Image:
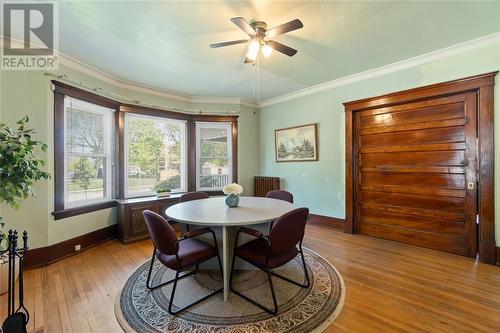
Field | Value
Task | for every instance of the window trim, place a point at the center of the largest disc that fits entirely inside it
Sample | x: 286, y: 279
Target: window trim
x: 108, y: 154
x: 62, y: 89
x: 223, y: 125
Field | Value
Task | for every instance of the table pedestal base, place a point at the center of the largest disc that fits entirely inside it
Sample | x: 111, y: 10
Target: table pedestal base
x: 226, y: 236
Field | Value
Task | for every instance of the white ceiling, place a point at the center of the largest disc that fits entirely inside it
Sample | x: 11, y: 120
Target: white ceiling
x: 164, y: 44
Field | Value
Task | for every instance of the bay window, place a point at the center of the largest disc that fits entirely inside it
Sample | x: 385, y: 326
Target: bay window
x: 155, y: 154
x: 106, y: 151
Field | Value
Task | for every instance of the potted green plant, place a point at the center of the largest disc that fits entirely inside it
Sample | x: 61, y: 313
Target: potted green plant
x: 20, y: 169
x: 162, y: 189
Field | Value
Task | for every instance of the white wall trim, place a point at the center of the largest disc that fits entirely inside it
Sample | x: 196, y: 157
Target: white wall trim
x: 96, y: 73
x: 473, y: 44
x: 477, y: 43
x: 105, y: 77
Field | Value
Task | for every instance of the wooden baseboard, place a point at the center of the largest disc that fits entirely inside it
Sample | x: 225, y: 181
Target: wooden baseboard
x: 329, y: 222
x: 43, y: 256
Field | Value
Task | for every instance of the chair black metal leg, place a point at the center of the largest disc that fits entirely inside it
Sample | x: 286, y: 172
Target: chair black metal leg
x: 151, y: 269
x: 171, y: 302
x: 203, y: 298
x: 173, y: 293
x: 269, y: 274
x: 272, y: 292
x: 304, y: 266
x: 148, y: 281
x: 173, y: 313
x: 274, y: 311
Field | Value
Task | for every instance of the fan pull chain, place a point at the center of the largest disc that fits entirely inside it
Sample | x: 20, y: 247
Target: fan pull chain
x: 258, y: 81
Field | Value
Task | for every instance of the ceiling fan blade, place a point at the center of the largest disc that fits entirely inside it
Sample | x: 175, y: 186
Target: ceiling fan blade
x: 284, y: 28
x: 244, y: 25
x: 282, y: 48
x: 233, y: 42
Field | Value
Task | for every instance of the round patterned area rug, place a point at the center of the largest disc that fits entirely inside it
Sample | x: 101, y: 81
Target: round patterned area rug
x: 300, y: 310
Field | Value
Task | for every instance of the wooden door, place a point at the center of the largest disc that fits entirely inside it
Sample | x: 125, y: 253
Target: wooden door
x: 416, y: 173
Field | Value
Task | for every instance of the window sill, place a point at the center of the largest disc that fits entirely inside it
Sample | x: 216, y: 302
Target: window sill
x: 61, y: 214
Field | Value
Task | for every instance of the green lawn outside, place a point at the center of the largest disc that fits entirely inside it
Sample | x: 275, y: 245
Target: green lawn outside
x: 97, y: 183
x: 148, y: 180
x: 94, y: 183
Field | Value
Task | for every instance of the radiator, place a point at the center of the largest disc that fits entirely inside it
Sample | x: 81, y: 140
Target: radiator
x: 262, y: 185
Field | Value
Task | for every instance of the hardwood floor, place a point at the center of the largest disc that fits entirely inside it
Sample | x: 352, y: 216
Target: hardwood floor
x: 391, y: 287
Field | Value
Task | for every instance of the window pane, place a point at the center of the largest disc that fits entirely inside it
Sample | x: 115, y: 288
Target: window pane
x: 85, y: 179
x: 213, y: 142
x: 84, y: 132
x: 155, y: 154
x: 214, y: 165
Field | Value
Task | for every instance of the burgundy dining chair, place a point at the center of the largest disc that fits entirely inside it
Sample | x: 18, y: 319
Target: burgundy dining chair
x: 193, y: 196
x: 190, y: 196
x: 269, y: 252
x: 178, y: 254
x: 280, y: 195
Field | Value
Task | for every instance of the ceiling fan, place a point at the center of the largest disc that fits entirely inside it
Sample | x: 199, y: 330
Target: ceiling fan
x: 260, y: 38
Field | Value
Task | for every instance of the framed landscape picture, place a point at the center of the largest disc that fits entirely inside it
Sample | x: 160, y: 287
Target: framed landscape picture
x: 295, y: 144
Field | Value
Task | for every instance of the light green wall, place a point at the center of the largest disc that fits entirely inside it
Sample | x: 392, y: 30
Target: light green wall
x: 321, y: 185
x: 248, y: 148
x: 29, y: 93
x: 26, y: 93
x: 317, y: 185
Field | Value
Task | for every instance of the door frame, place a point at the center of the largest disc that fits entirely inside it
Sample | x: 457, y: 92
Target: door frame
x: 483, y: 86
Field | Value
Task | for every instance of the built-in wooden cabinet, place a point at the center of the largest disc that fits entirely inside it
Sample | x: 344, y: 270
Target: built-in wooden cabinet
x: 131, y: 224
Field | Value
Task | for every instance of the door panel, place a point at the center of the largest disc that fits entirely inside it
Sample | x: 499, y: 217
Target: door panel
x: 414, y: 163
x: 433, y: 202
x: 422, y: 223
x: 415, y: 158
x: 424, y: 136
x: 428, y: 179
x: 423, y: 115
x: 442, y: 241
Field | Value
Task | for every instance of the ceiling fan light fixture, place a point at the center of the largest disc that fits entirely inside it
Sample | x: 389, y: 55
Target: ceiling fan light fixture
x: 261, y: 38
x: 254, y: 46
x: 267, y: 50
x: 252, y: 55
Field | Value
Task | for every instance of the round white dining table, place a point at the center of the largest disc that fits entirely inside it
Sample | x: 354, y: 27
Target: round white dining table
x: 214, y: 213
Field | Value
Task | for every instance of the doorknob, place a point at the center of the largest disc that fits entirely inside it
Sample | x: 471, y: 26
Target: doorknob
x: 470, y: 185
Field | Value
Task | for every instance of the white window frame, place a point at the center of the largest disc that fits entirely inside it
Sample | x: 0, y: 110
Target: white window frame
x: 224, y: 125
x: 183, y: 151
x: 108, y: 150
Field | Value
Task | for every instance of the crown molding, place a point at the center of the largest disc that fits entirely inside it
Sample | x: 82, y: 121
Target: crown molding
x: 221, y: 100
x: 100, y: 75
x: 107, y: 78
x: 473, y: 44
x: 114, y: 81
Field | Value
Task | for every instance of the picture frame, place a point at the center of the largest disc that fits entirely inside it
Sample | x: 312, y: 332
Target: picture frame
x: 296, y: 144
